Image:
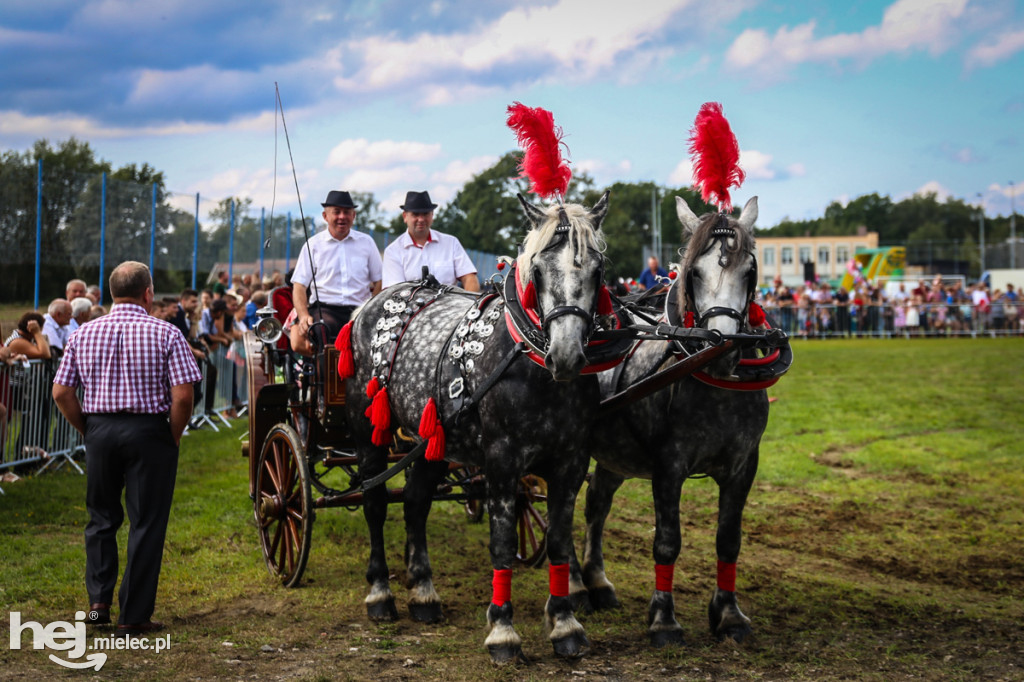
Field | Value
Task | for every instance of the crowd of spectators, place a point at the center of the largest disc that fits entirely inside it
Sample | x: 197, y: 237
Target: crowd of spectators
x: 210, y: 319
x: 938, y: 307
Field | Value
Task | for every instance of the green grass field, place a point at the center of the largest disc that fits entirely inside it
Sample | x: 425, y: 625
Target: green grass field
x: 882, y: 540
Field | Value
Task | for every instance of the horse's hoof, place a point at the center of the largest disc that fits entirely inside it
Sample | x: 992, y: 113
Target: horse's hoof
x: 383, y: 610
x: 737, y: 633
x: 664, y: 638
x: 572, y: 646
x: 502, y: 654
x: 426, y: 612
x: 581, y: 602
x: 603, y: 598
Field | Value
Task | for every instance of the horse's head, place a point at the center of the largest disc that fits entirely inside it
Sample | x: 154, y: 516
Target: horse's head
x: 719, y: 272
x: 562, y: 259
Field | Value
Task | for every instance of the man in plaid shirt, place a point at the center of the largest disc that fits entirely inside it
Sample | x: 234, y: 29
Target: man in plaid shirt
x: 135, y: 373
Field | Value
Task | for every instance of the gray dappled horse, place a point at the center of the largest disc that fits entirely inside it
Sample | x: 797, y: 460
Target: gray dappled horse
x: 687, y: 429
x: 533, y: 419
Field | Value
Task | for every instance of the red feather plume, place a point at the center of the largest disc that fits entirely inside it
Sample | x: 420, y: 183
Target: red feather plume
x: 541, y: 141
x: 716, y: 156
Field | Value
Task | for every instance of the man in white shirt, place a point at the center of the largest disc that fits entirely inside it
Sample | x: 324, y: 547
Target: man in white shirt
x: 55, y: 322
x: 419, y: 245
x: 347, y: 266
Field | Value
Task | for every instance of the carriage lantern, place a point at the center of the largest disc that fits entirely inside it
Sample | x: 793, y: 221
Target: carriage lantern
x: 268, y: 328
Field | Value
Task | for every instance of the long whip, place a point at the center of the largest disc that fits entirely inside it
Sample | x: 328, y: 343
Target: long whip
x: 302, y: 215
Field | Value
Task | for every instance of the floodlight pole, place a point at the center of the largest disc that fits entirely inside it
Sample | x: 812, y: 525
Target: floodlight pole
x: 1013, y: 227
x: 981, y: 234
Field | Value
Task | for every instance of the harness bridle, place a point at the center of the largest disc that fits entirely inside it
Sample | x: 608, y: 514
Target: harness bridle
x: 561, y: 234
x: 720, y: 233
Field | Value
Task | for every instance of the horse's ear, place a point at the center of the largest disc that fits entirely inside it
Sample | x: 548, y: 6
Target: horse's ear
x: 533, y: 214
x: 687, y: 217
x: 599, y: 211
x: 748, y: 216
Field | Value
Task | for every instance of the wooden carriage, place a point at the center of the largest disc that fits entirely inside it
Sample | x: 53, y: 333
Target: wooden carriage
x: 302, y: 457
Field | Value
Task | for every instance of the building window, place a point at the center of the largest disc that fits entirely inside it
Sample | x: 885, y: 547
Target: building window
x: 768, y: 258
x: 787, y: 255
x: 805, y: 254
x: 842, y: 254
x: 823, y: 253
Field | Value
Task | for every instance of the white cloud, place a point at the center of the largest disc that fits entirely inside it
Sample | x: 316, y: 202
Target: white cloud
x: 757, y: 165
x: 578, y: 37
x: 15, y: 123
x: 934, y: 187
x: 682, y: 174
x: 361, y: 153
x: 991, y: 52
x: 930, y: 25
x: 461, y: 171
x: 374, y: 179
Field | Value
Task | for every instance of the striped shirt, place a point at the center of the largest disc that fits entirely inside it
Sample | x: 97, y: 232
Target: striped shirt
x: 127, y: 361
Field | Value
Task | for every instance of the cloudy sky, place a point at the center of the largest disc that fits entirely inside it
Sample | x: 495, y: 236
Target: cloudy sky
x: 829, y: 101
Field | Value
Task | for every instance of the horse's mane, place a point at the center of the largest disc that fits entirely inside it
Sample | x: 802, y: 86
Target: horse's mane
x: 702, y: 239
x: 582, y: 235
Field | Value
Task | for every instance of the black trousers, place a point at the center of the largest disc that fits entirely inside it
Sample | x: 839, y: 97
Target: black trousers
x: 136, y: 454
x: 334, y: 317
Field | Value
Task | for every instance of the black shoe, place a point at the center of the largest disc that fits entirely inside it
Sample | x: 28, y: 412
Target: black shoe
x: 98, y: 614
x: 138, y: 629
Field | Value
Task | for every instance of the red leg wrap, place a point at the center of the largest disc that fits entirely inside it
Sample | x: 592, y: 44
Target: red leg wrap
x: 502, y: 586
x: 726, y: 576
x: 558, y: 580
x: 663, y: 577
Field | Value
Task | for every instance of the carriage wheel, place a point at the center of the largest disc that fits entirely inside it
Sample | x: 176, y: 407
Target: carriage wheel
x: 532, y: 521
x: 284, y: 504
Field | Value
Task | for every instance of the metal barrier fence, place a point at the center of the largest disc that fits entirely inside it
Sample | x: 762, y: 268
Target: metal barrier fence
x: 35, y: 431
x: 890, y: 320
x: 223, y: 392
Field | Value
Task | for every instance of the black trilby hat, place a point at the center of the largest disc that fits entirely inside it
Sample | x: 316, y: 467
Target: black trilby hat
x: 340, y: 199
x: 417, y: 202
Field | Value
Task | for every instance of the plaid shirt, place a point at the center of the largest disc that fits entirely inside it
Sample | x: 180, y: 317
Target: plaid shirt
x: 127, y: 361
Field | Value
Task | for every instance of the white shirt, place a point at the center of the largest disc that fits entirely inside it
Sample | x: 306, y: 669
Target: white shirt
x: 345, y: 270
x: 442, y: 254
x: 55, y: 333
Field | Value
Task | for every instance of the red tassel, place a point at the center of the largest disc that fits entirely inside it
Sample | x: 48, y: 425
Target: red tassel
x: 529, y: 297
x: 756, y: 316
x: 604, y: 301
x: 688, y: 319
x: 436, y: 444
x: 715, y: 156
x: 428, y: 420
x: 381, y: 415
x: 372, y: 387
x: 541, y: 140
x: 346, y: 365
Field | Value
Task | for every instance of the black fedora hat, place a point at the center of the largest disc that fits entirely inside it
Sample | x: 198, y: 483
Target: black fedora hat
x: 417, y: 202
x: 340, y: 199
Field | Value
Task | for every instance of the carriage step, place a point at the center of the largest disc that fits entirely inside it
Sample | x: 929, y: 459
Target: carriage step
x: 352, y: 460
x: 355, y: 499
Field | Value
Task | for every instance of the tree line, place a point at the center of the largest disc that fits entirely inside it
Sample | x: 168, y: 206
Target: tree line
x: 485, y: 215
